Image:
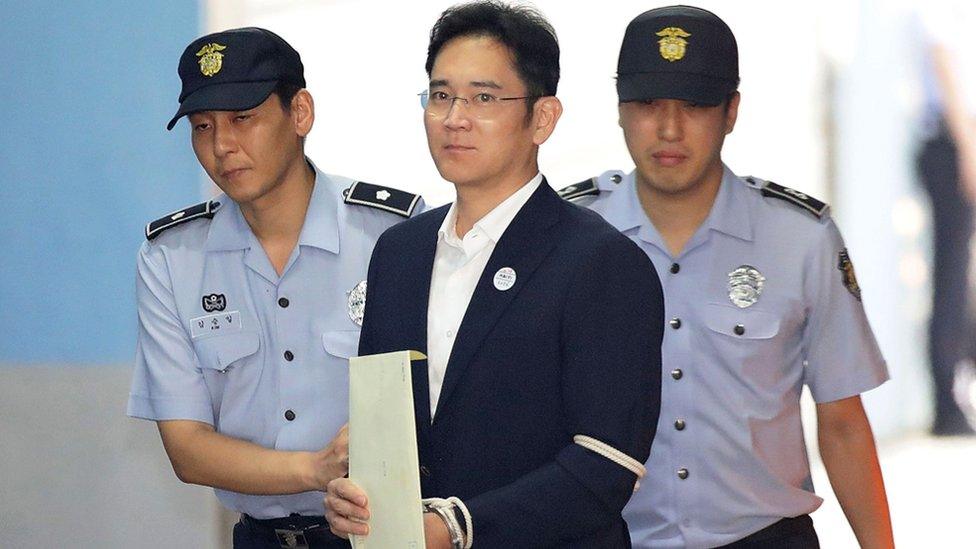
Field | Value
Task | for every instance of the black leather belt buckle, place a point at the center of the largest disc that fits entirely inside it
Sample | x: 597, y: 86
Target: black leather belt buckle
x: 291, y: 539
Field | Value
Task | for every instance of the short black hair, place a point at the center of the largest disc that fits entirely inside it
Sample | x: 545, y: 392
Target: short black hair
x: 523, y: 30
x: 286, y: 91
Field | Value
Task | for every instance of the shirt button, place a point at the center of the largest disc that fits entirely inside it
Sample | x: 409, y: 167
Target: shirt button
x: 675, y: 323
x: 289, y: 415
x: 450, y: 333
x: 289, y: 356
x: 679, y: 424
x: 676, y: 373
x: 283, y: 302
x: 675, y: 268
x: 739, y: 329
x: 616, y: 178
x: 682, y: 473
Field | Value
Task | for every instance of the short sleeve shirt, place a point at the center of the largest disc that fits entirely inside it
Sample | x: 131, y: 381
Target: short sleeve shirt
x: 224, y: 340
x: 729, y: 456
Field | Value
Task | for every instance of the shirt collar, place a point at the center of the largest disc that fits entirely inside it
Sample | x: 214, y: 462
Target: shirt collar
x: 494, y: 223
x: 730, y: 212
x: 230, y: 231
x: 623, y: 209
x: 321, y: 228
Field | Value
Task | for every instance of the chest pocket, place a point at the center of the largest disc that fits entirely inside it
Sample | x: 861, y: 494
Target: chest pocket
x: 748, y: 344
x: 341, y: 343
x: 741, y: 323
x: 223, y: 352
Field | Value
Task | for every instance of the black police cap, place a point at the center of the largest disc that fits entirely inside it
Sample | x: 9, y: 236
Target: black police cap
x: 678, y: 52
x: 235, y: 70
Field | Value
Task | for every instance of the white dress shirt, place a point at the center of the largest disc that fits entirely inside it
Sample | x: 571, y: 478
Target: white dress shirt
x: 458, y: 264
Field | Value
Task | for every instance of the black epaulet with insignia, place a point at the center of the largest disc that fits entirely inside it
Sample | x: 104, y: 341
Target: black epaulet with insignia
x: 383, y: 198
x: 583, y: 188
x: 204, y: 209
x: 793, y: 196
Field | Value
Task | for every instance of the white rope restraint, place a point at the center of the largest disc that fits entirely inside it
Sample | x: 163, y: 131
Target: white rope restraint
x: 613, y: 455
x: 444, y: 508
x: 468, y: 525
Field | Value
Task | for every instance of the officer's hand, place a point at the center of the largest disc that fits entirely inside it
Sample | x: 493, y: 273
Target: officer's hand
x: 331, y: 462
x: 346, y: 508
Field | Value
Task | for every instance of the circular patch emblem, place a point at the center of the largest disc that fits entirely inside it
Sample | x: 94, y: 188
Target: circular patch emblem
x: 504, y: 278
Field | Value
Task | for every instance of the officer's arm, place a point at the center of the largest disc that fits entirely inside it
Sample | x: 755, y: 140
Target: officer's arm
x: 849, y: 455
x: 168, y: 388
x: 200, y: 455
x: 611, y: 388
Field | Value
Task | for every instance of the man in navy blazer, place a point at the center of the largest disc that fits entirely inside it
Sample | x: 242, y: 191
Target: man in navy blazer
x: 542, y: 324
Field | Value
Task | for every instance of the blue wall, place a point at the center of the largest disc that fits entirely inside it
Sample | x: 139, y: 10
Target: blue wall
x: 85, y: 162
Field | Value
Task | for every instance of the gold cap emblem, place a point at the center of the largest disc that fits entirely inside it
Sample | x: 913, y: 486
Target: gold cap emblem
x: 211, y: 59
x: 672, y: 43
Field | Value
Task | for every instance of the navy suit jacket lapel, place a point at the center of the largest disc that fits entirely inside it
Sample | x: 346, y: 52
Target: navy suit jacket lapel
x: 522, y: 247
x: 413, y: 312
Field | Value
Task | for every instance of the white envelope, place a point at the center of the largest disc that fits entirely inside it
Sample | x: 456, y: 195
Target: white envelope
x: 383, y: 449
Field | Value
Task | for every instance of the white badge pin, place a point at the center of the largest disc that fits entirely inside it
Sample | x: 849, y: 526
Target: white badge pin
x: 504, y: 278
x: 745, y: 285
x: 357, y: 303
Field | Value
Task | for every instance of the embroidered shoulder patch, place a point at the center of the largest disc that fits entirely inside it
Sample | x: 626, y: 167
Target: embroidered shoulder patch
x: 583, y: 188
x: 793, y: 196
x: 382, y: 198
x: 846, y: 268
x: 204, y: 209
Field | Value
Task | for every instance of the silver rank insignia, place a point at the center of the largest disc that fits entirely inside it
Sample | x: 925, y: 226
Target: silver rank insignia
x: 745, y: 286
x: 357, y: 303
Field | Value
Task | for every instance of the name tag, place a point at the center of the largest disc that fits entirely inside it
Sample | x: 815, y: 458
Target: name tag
x: 215, y: 324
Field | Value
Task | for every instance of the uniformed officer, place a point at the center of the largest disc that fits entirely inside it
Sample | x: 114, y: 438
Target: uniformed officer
x: 760, y: 299
x: 251, y: 303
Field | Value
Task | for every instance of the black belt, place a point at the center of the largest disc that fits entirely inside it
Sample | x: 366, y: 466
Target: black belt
x: 294, y: 530
x: 780, y: 531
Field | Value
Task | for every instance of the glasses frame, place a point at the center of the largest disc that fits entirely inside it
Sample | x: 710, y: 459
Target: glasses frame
x: 425, y: 100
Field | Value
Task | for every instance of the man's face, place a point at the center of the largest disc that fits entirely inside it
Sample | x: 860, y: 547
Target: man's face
x: 676, y: 145
x: 247, y: 153
x: 472, y: 145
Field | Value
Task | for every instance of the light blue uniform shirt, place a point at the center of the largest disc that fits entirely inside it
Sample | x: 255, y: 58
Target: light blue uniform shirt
x: 735, y: 392
x: 230, y: 368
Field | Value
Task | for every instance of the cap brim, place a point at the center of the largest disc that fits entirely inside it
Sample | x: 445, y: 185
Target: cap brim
x: 229, y: 96
x: 673, y: 85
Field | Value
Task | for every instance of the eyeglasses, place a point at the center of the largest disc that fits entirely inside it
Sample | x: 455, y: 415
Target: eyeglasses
x: 481, y: 105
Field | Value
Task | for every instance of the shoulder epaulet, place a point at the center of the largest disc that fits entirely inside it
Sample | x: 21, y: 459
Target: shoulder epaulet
x: 204, y: 209
x: 383, y: 198
x: 793, y: 196
x: 583, y: 188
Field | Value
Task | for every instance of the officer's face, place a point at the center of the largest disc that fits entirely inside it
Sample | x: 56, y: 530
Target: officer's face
x: 484, y: 145
x: 676, y: 145
x: 248, y: 154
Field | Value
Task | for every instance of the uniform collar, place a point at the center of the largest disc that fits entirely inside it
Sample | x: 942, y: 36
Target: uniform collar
x: 230, y: 231
x: 623, y: 209
x: 730, y: 213
x: 321, y: 229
